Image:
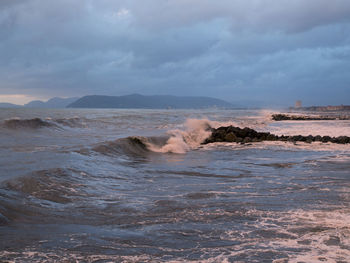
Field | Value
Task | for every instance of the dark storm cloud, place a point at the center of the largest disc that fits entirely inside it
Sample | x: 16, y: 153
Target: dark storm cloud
x: 284, y: 15
x: 273, y: 51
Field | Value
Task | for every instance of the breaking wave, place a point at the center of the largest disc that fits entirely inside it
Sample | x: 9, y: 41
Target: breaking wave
x: 35, y: 123
x: 74, y: 122
x: 189, y: 137
x: 38, y: 123
x: 130, y: 145
x: 175, y: 141
x: 194, y: 133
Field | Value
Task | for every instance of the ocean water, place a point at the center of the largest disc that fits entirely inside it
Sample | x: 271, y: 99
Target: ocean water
x: 138, y: 186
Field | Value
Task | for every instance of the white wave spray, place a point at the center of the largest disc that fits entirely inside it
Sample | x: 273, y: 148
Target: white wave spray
x: 194, y: 133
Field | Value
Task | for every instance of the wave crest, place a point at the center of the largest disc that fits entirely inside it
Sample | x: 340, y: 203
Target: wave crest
x: 195, y: 132
x: 130, y: 146
x: 35, y: 123
x: 74, y: 122
x: 38, y: 123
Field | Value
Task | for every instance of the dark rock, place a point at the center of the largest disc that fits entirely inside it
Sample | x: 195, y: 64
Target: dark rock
x: 280, y: 117
x: 326, y: 139
x: 318, y: 138
x: 334, y: 140
x: 298, y: 138
x: 283, y: 138
x: 247, y: 139
x: 310, y: 138
x: 343, y: 139
x: 271, y: 137
x: 247, y: 135
x: 230, y: 137
x: 284, y: 117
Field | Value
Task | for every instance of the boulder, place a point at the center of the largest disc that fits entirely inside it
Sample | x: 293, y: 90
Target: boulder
x: 247, y: 135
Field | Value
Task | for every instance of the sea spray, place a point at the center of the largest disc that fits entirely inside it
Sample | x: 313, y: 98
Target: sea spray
x: 194, y: 134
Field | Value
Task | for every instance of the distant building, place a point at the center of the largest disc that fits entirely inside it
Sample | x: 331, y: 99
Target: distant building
x: 298, y: 104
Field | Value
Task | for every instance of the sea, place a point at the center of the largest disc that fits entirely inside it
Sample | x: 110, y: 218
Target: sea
x: 131, y: 185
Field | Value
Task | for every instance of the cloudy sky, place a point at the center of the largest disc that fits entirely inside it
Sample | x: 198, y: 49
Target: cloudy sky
x: 240, y: 50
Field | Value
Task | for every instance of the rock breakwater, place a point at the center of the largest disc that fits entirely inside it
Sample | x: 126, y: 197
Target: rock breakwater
x: 285, y: 117
x: 247, y: 135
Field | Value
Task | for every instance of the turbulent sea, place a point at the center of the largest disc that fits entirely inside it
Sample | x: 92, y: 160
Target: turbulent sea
x: 138, y: 186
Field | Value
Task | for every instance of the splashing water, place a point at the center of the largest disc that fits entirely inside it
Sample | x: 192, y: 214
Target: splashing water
x: 195, y: 132
x: 92, y: 190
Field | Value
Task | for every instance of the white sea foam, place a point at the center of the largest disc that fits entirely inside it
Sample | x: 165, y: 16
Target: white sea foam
x: 323, y: 128
x: 333, y: 128
x: 281, y: 145
x: 331, y: 224
x: 315, y: 236
x: 194, y: 133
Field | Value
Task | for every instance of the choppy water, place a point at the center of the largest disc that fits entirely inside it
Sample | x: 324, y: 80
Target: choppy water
x: 76, y: 185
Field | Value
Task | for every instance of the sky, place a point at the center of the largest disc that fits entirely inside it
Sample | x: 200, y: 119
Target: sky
x: 243, y: 51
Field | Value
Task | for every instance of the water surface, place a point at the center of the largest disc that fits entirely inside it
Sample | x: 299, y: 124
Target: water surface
x: 137, y: 186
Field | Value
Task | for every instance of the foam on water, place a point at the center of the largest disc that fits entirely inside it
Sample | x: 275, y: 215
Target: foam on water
x: 322, y: 128
x: 307, y: 236
x: 281, y: 145
x: 38, y: 256
x: 324, y: 236
x: 98, y: 194
x: 194, y: 133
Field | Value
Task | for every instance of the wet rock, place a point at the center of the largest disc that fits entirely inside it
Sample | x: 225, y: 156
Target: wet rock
x: 230, y: 137
x: 247, y: 140
x: 284, y: 138
x: 326, y: 139
x: 343, y: 139
x: 309, y: 141
x: 239, y: 139
x: 310, y: 138
x: 271, y: 137
x: 280, y: 117
x: 247, y: 135
x: 318, y: 138
x: 285, y: 117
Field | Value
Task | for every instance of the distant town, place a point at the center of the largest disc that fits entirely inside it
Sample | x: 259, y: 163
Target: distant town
x: 298, y: 106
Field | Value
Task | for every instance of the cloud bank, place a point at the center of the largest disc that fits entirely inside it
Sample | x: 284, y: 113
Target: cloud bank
x: 239, y: 50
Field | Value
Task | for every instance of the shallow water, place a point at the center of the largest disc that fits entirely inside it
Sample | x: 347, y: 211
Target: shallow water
x: 82, y: 187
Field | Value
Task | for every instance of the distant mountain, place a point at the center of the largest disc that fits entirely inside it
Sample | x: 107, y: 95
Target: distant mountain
x: 149, y: 102
x: 51, y: 103
x: 9, y: 105
x: 35, y: 104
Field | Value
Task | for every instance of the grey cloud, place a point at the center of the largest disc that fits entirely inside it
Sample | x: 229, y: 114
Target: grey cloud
x: 283, y: 15
x: 9, y: 3
x: 230, y: 49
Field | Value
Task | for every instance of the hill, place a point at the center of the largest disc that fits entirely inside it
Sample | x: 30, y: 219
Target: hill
x: 149, y: 102
x: 51, y: 103
x: 9, y: 105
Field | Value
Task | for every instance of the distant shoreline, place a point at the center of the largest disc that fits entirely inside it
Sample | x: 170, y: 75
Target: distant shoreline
x: 322, y: 108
